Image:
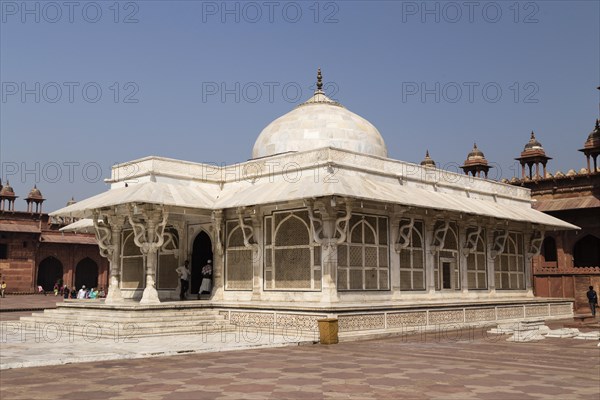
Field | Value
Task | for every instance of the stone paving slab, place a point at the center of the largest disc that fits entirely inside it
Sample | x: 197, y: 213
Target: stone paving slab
x: 30, y: 345
x: 29, y: 302
x: 460, y: 365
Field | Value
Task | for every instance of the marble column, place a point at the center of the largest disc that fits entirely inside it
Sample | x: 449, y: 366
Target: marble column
x: 430, y: 256
x: 491, y: 261
x: 114, y: 287
x: 149, y: 237
x: 329, y: 233
x: 108, y: 236
x: 395, y: 253
x: 329, y: 257
x: 218, y: 255
x: 463, y: 253
x: 257, y: 264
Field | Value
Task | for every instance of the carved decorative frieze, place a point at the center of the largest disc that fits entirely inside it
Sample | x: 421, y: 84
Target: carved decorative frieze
x: 480, y: 315
x: 561, y: 309
x: 361, y: 322
x: 536, y: 311
x: 509, y: 312
x: 262, y: 320
x: 298, y: 321
x: 446, y: 317
x: 224, y: 314
x: 398, y: 320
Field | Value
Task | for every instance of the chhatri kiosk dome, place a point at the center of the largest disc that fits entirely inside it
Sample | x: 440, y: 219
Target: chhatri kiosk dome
x: 321, y: 217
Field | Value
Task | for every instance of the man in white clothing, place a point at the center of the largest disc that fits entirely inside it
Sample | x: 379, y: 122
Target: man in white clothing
x: 184, y: 275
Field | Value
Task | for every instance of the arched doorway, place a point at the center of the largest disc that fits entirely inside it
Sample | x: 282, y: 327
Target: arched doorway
x: 586, y: 252
x: 549, y: 249
x: 49, y: 271
x: 86, y: 273
x: 201, y: 253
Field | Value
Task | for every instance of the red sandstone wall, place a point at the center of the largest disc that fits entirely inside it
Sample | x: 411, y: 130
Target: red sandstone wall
x: 17, y: 274
x: 70, y: 255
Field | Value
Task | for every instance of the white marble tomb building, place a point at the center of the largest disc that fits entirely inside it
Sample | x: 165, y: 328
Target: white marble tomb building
x: 320, y: 218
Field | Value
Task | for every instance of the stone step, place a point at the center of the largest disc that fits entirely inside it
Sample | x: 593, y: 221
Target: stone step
x: 95, y: 321
x: 123, y: 328
x: 48, y: 314
x: 133, y: 313
x: 99, y: 332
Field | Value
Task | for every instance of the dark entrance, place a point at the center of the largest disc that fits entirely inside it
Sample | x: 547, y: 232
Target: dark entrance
x: 586, y: 252
x: 446, y: 275
x: 201, y: 253
x: 86, y: 273
x: 49, y: 271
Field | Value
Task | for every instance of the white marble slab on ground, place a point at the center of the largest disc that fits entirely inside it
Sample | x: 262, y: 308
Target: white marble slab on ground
x: 563, y: 333
x: 526, y: 336
x: 20, y: 348
x: 593, y: 335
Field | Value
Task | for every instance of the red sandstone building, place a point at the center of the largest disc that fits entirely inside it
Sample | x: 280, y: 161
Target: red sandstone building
x: 570, y: 260
x: 34, y: 252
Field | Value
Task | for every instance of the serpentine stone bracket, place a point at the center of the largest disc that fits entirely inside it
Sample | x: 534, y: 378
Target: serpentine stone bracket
x: 316, y: 224
x: 148, y: 239
x: 535, y: 245
x: 103, y: 236
x: 336, y: 234
x: 439, y: 236
x: 500, y: 237
x: 343, y: 232
x: 473, y: 236
x: 249, y: 238
x: 404, y: 234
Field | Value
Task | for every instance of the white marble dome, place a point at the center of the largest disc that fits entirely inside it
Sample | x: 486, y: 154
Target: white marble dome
x: 319, y: 122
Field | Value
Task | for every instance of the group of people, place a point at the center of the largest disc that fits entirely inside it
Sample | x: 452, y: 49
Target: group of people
x: 84, y: 293
x: 73, y: 293
x: 184, y: 278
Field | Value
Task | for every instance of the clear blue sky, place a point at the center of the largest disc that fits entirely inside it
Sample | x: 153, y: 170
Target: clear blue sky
x: 377, y: 56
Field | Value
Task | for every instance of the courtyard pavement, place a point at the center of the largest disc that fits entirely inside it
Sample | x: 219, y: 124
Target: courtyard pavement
x: 461, y: 365
x: 467, y: 364
x: 28, y: 302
